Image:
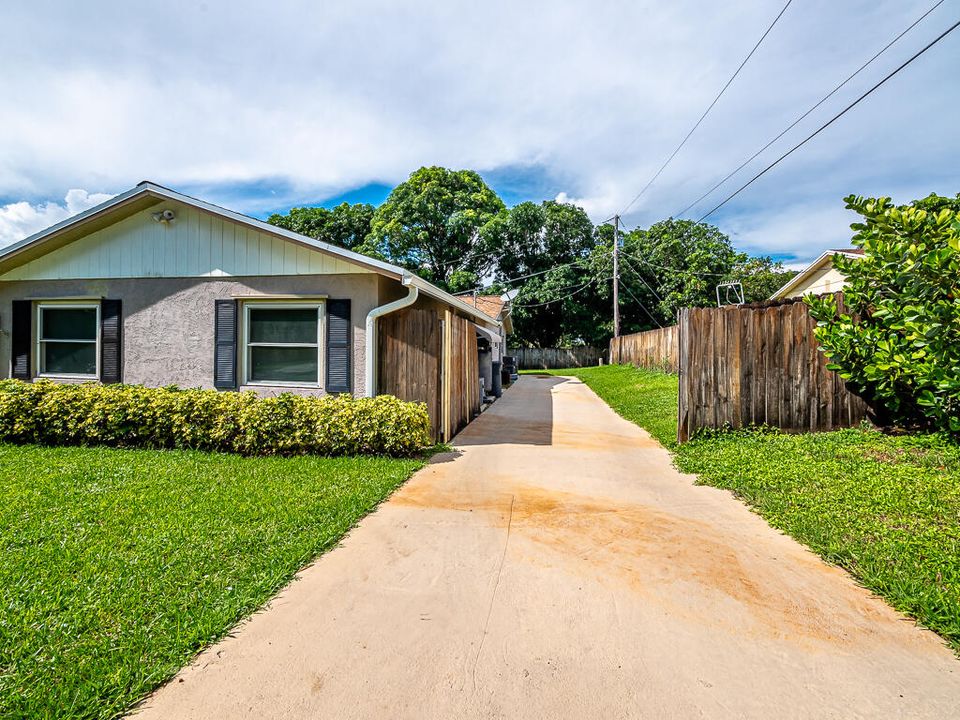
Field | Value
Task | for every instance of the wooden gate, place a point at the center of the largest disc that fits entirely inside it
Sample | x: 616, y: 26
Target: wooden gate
x: 410, y: 359
x: 463, y: 373
x: 430, y: 356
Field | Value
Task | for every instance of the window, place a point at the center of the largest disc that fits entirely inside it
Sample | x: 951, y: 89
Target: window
x: 68, y: 339
x: 282, y: 343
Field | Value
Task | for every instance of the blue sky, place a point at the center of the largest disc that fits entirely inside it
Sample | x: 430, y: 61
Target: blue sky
x: 316, y: 103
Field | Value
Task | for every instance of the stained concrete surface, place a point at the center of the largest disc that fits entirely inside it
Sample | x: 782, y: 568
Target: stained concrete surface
x: 557, y: 566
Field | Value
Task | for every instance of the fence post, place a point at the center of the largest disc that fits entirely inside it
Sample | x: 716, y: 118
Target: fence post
x: 682, y: 372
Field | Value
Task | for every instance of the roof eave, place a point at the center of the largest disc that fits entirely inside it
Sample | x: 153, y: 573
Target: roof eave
x: 806, y: 272
x: 71, y: 223
x: 160, y: 193
x: 433, y: 291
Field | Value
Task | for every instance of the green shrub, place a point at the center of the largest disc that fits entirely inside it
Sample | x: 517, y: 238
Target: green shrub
x: 897, y: 342
x: 48, y: 413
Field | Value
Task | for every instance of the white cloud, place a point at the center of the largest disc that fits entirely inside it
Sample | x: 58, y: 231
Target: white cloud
x: 322, y: 97
x: 595, y: 207
x: 21, y: 219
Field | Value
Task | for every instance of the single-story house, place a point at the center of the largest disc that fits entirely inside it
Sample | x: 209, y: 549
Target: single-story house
x: 157, y: 288
x: 498, y: 308
x: 819, y: 278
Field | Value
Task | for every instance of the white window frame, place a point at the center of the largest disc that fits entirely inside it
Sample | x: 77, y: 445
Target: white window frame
x: 59, y: 305
x: 318, y: 305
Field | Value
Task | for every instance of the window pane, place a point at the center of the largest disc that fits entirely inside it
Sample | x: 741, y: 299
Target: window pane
x: 283, y: 364
x: 69, y: 358
x: 283, y: 325
x: 68, y: 323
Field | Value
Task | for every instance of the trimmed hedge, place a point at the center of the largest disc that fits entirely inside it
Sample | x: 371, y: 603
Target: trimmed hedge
x: 48, y: 413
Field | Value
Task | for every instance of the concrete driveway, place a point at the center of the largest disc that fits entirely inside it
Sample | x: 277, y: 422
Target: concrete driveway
x: 558, y: 567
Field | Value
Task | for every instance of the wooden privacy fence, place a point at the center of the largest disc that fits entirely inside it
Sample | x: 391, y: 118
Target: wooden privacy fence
x: 461, y: 374
x: 430, y: 356
x: 749, y: 365
x: 550, y: 358
x: 411, y: 343
x: 655, y: 349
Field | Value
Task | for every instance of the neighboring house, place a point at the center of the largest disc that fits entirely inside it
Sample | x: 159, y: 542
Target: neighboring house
x: 819, y: 278
x: 496, y: 307
x: 156, y: 288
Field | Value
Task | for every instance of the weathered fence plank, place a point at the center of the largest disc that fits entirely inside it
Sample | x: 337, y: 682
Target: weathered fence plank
x: 746, y: 365
x: 655, y: 349
x: 416, y: 349
x: 553, y: 358
x: 464, y: 381
x: 409, y: 359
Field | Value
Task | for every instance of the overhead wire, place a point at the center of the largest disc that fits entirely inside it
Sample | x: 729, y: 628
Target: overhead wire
x: 707, y: 111
x: 642, y: 279
x: 832, y: 120
x: 644, y: 307
x: 664, y: 268
x: 565, y: 297
x: 810, y: 110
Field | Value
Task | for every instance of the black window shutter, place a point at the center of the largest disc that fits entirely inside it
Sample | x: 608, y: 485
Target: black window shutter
x: 339, y: 347
x: 225, y: 345
x: 111, y: 340
x: 21, y: 339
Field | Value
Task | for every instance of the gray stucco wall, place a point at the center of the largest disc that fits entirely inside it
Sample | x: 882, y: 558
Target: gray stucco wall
x: 168, y: 322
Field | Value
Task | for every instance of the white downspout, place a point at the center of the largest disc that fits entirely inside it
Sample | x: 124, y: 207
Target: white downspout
x: 370, y: 374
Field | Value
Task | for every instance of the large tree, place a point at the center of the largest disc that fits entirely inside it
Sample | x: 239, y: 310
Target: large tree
x: 760, y: 276
x: 345, y: 225
x: 676, y: 264
x: 544, y: 255
x: 435, y: 223
x: 679, y: 263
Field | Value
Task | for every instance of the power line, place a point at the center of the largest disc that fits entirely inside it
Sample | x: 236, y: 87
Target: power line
x: 831, y: 120
x: 664, y: 268
x: 644, y: 307
x: 565, y: 297
x: 814, y: 107
x: 631, y: 267
x: 508, y: 281
x: 707, y: 111
x: 544, y: 272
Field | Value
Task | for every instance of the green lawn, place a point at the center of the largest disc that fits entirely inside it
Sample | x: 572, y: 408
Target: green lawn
x: 117, y: 566
x: 886, y: 508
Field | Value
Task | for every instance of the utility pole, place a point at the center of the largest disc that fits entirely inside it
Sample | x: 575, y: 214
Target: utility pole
x: 616, y: 276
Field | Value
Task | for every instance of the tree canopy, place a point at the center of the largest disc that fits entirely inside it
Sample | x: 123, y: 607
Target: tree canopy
x: 345, y: 225
x: 548, y: 247
x: 435, y: 224
x: 679, y: 263
x: 451, y: 228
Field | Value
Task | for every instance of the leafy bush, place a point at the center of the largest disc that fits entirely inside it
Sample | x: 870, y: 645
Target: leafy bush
x: 897, y: 341
x: 47, y: 413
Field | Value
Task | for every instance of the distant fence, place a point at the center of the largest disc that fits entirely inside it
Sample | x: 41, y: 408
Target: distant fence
x: 551, y: 358
x: 654, y: 349
x: 758, y: 365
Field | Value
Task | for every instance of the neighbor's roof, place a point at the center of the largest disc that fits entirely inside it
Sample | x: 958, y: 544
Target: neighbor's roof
x: 147, y: 193
x: 813, y: 267
x: 491, y: 305
x: 496, y: 306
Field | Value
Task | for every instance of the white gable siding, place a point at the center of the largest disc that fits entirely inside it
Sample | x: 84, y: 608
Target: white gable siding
x: 196, y: 244
x: 825, y: 279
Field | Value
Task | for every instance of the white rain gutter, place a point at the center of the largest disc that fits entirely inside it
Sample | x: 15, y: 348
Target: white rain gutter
x: 370, y: 374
